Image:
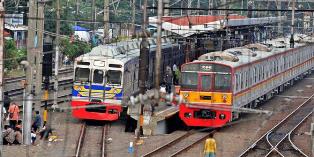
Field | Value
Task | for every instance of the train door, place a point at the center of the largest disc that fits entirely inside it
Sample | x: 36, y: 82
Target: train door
x: 205, y: 87
x: 97, y: 87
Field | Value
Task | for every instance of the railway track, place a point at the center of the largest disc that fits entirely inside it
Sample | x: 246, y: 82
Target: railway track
x: 20, y: 78
x: 180, y: 144
x: 277, y: 140
x: 19, y: 90
x: 87, y: 143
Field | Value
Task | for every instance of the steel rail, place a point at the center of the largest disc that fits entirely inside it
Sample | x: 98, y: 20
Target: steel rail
x: 172, y: 142
x: 20, y: 78
x: 192, y: 144
x: 295, y: 147
x: 288, y: 135
x: 266, y: 135
x: 105, y: 133
x: 80, y: 141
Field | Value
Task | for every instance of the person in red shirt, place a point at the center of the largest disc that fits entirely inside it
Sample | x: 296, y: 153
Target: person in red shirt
x: 13, y: 114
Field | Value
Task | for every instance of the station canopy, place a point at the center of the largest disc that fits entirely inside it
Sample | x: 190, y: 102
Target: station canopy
x: 189, y: 25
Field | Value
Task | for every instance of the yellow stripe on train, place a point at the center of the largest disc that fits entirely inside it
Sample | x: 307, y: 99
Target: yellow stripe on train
x: 207, y: 97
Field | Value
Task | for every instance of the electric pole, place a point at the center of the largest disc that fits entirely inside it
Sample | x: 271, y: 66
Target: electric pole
x: 55, y: 92
x: 39, y: 54
x: 29, y: 64
x: 77, y: 10
x: 158, y: 50
x: 1, y: 69
x: 166, y: 5
x: 292, y: 17
x: 30, y: 45
x: 133, y: 18
x: 106, y: 21
x: 144, y: 50
x: 93, y: 16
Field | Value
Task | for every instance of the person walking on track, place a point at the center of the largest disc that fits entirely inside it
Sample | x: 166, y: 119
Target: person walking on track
x: 210, y: 147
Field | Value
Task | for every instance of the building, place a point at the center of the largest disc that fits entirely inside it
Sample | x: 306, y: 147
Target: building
x: 14, y: 26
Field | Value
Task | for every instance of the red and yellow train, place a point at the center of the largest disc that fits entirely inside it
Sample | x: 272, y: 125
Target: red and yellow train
x: 218, y: 83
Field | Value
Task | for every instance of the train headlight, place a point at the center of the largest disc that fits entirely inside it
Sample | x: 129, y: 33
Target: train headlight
x: 185, y: 95
x: 187, y: 114
x: 222, y: 116
x: 224, y: 98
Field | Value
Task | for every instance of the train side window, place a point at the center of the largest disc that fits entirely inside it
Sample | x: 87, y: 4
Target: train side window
x: 98, y: 76
x: 242, y: 80
x: 238, y: 82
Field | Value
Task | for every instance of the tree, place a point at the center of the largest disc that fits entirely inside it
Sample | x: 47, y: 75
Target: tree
x: 13, y: 56
x: 74, y: 49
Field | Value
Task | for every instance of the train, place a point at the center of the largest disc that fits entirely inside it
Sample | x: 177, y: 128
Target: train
x: 217, y: 84
x: 106, y: 77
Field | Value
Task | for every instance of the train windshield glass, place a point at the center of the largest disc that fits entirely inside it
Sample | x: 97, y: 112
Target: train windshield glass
x: 82, y: 74
x: 113, y: 77
x: 222, y: 82
x: 189, y: 80
x: 98, y: 76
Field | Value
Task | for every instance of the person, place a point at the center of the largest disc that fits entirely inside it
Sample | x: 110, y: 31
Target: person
x: 37, y: 122
x: 18, y: 137
x: 6, y: 102
x: 8, y: 135
x: 210, y: 147
x: 45, y: 132
x: 168, y: 79
x: 176, y: 74
x: 13, y: 114
x: 33, y: 137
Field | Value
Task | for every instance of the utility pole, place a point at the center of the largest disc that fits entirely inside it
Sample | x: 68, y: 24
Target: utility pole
x: 93, y: 16
x: 106, y: 21
x: 30, y: 45
x: 292, y: 17
x: 39, y: 54
x: 29, y: 64
x: 198, y: 6
x: 1, y: 70
x: 166, y: 11
x: 158, y: 51
x: 133, y: 18
x: 279, y: 14
x: 55, y: 92
x: 144, y: 50
x: 77, y: 10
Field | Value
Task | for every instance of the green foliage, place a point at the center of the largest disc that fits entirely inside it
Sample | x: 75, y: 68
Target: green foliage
x: 13, y: 56
x: 74, y: 49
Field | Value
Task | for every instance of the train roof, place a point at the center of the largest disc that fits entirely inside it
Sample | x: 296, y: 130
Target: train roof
x: 123, y: 50
x: 278, y: 45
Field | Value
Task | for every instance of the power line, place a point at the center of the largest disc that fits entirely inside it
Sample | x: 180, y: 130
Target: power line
x: 218, y: 9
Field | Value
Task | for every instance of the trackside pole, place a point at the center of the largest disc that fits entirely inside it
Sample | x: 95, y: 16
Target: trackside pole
x: 1, y: 70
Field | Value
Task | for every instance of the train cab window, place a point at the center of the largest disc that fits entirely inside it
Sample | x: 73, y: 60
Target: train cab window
x: 206, y: 82
x: 189, y: 80
x: 113, y: 77
x: 222, y: 82
x: 82, y: 74
x: 98, y: 76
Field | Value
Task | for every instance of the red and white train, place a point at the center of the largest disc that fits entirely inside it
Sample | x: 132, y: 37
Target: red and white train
x: 217, y: 83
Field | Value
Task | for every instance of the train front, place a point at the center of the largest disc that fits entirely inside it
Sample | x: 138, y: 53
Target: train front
x: 206, y: 88
x: 97, y: 89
